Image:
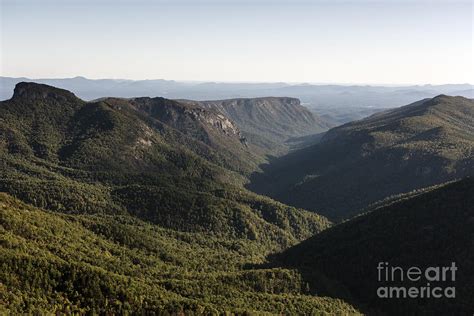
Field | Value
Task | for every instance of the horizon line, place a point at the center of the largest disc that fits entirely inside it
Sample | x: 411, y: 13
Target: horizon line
x: 243, y: 82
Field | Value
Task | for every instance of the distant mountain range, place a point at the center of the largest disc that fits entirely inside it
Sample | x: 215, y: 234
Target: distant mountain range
x: 335, y: 103
x: 425, y: 143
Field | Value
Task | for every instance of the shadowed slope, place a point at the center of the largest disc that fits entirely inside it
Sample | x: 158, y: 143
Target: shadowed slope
x: 432, y: 229
x: 425, y: 143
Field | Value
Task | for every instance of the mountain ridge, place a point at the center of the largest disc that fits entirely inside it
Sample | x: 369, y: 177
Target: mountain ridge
x: 336, y: 104
x: 107, y: 157
x: 422, y: 144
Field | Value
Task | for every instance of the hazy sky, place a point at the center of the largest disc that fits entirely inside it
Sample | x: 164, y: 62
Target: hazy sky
x: 313, y: 41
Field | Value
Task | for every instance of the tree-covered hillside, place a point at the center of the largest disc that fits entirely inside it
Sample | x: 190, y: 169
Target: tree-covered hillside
x: 146, y: 211
x: 137, y: 206
x: 103, y: 264
x: 61, y: 153
x: 430, y: 229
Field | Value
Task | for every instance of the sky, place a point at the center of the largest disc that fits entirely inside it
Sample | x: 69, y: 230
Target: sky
x: 357, y: 42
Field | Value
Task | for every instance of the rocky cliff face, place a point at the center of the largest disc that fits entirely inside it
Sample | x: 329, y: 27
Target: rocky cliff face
x: 32, y: 91
x: 214, y: 132
x: 279, y: 116
x: 268, y: 122
x: 205, y: 124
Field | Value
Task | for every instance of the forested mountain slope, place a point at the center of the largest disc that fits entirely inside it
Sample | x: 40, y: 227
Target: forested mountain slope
x: 432, y: 229
x: 415, y: 146
x: 61, y: 153
x: 52, y: 263
x: 211, y: 130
